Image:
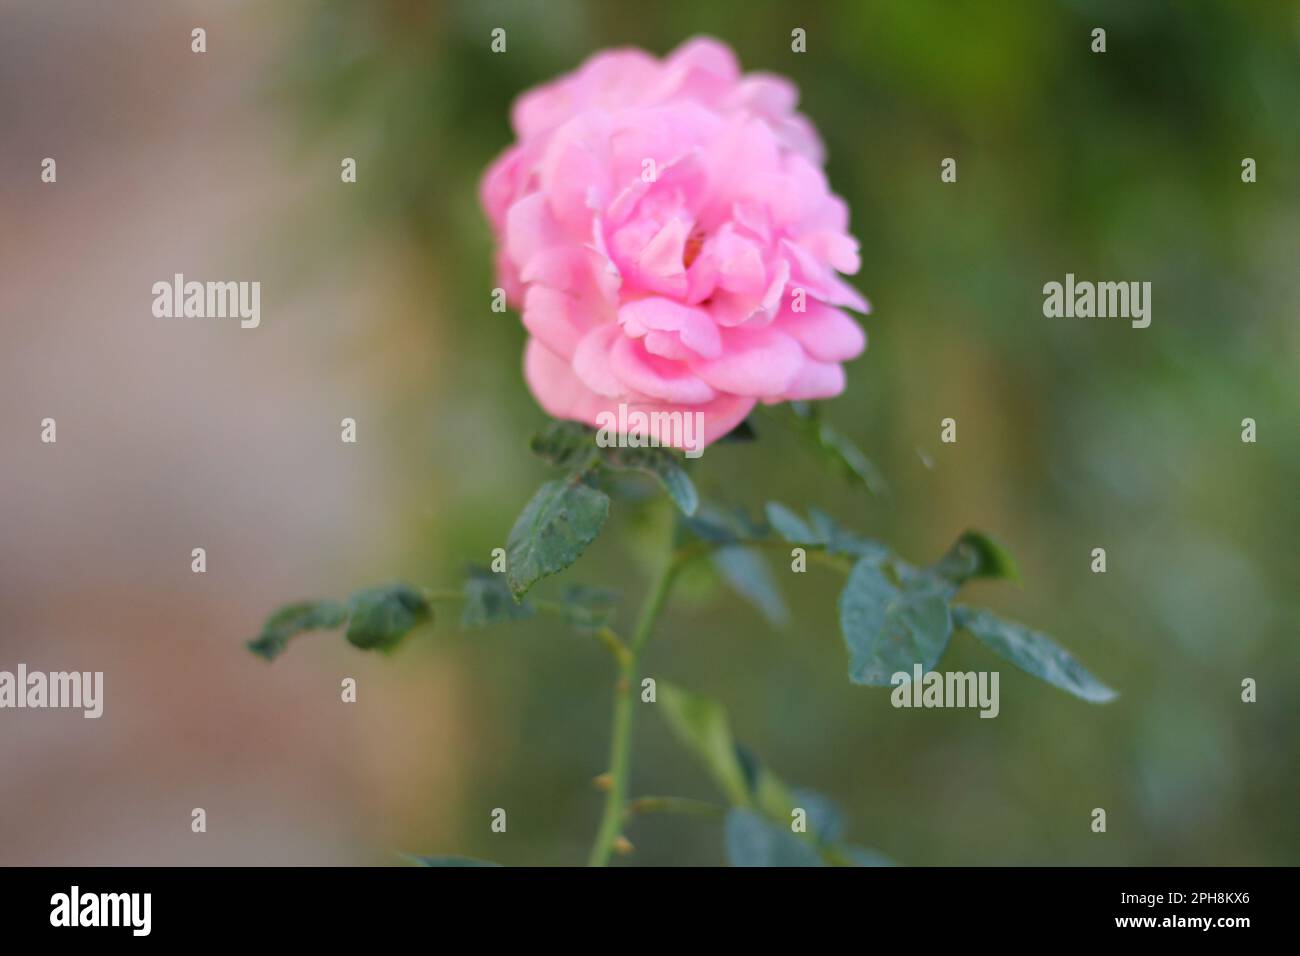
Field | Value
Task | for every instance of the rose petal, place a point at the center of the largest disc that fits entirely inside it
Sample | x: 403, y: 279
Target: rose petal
x: 755, y: 362
x: 826, y: 334
x: 558, y: 319
x: 591, y: 360
x: 815, y: 380
x: 656, y: 377
x: 563, y: 395
x: 694, y: 326
x: 530, y: 228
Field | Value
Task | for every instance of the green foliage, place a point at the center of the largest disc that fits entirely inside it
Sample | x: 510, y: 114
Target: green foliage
x: 743, y: 568
x: 888, y: 627
x: 1033, y: 653
x: 716, y: 525
x: 758, y: 828
x: 572, y: 446
x: 751, y: 577
x: 566, y: 514
x: 976, y: 555
x: 767, y: 792
x: 754, y: 840
x: 840, y: 540
x: 552, y: 532
x: 825, y: 818
x: 294, y: 619
x: 380, y: 617
x: 708, y: 530
x: 700, y: 724
x: 587, y: 608
x: 892, y: 614
x: 821, y: 530
x: 567, y: 445
x: 488, y: 601
x: 661, y: 464
x: 790, y: 526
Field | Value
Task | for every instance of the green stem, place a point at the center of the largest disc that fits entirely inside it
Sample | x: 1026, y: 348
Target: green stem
x: 620, y: 748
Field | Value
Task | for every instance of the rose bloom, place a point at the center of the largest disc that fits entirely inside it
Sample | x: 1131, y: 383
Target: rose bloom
x: 667, y: 230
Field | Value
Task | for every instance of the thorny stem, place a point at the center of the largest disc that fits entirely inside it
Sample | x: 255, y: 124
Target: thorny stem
x: 617, y: 808
x: 628, y: 657
x: 620, y: 748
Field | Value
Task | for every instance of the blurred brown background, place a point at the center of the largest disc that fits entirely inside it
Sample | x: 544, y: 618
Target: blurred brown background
x: 176, y: 434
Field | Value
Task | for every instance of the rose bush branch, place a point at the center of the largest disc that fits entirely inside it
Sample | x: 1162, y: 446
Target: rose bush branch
x: 893, y: 614
x: 620, y: 750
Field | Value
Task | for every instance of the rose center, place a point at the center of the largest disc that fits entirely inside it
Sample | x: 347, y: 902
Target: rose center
x: 691, y: 251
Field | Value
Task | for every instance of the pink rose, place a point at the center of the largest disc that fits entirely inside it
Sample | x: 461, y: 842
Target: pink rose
x: 670, y: 236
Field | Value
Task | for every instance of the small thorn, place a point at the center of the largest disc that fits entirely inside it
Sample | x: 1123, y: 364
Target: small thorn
x: 622, y: 845
x: 602, y: 781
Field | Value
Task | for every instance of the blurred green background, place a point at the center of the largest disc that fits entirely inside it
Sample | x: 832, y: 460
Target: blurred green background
x: 1073, y: 433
